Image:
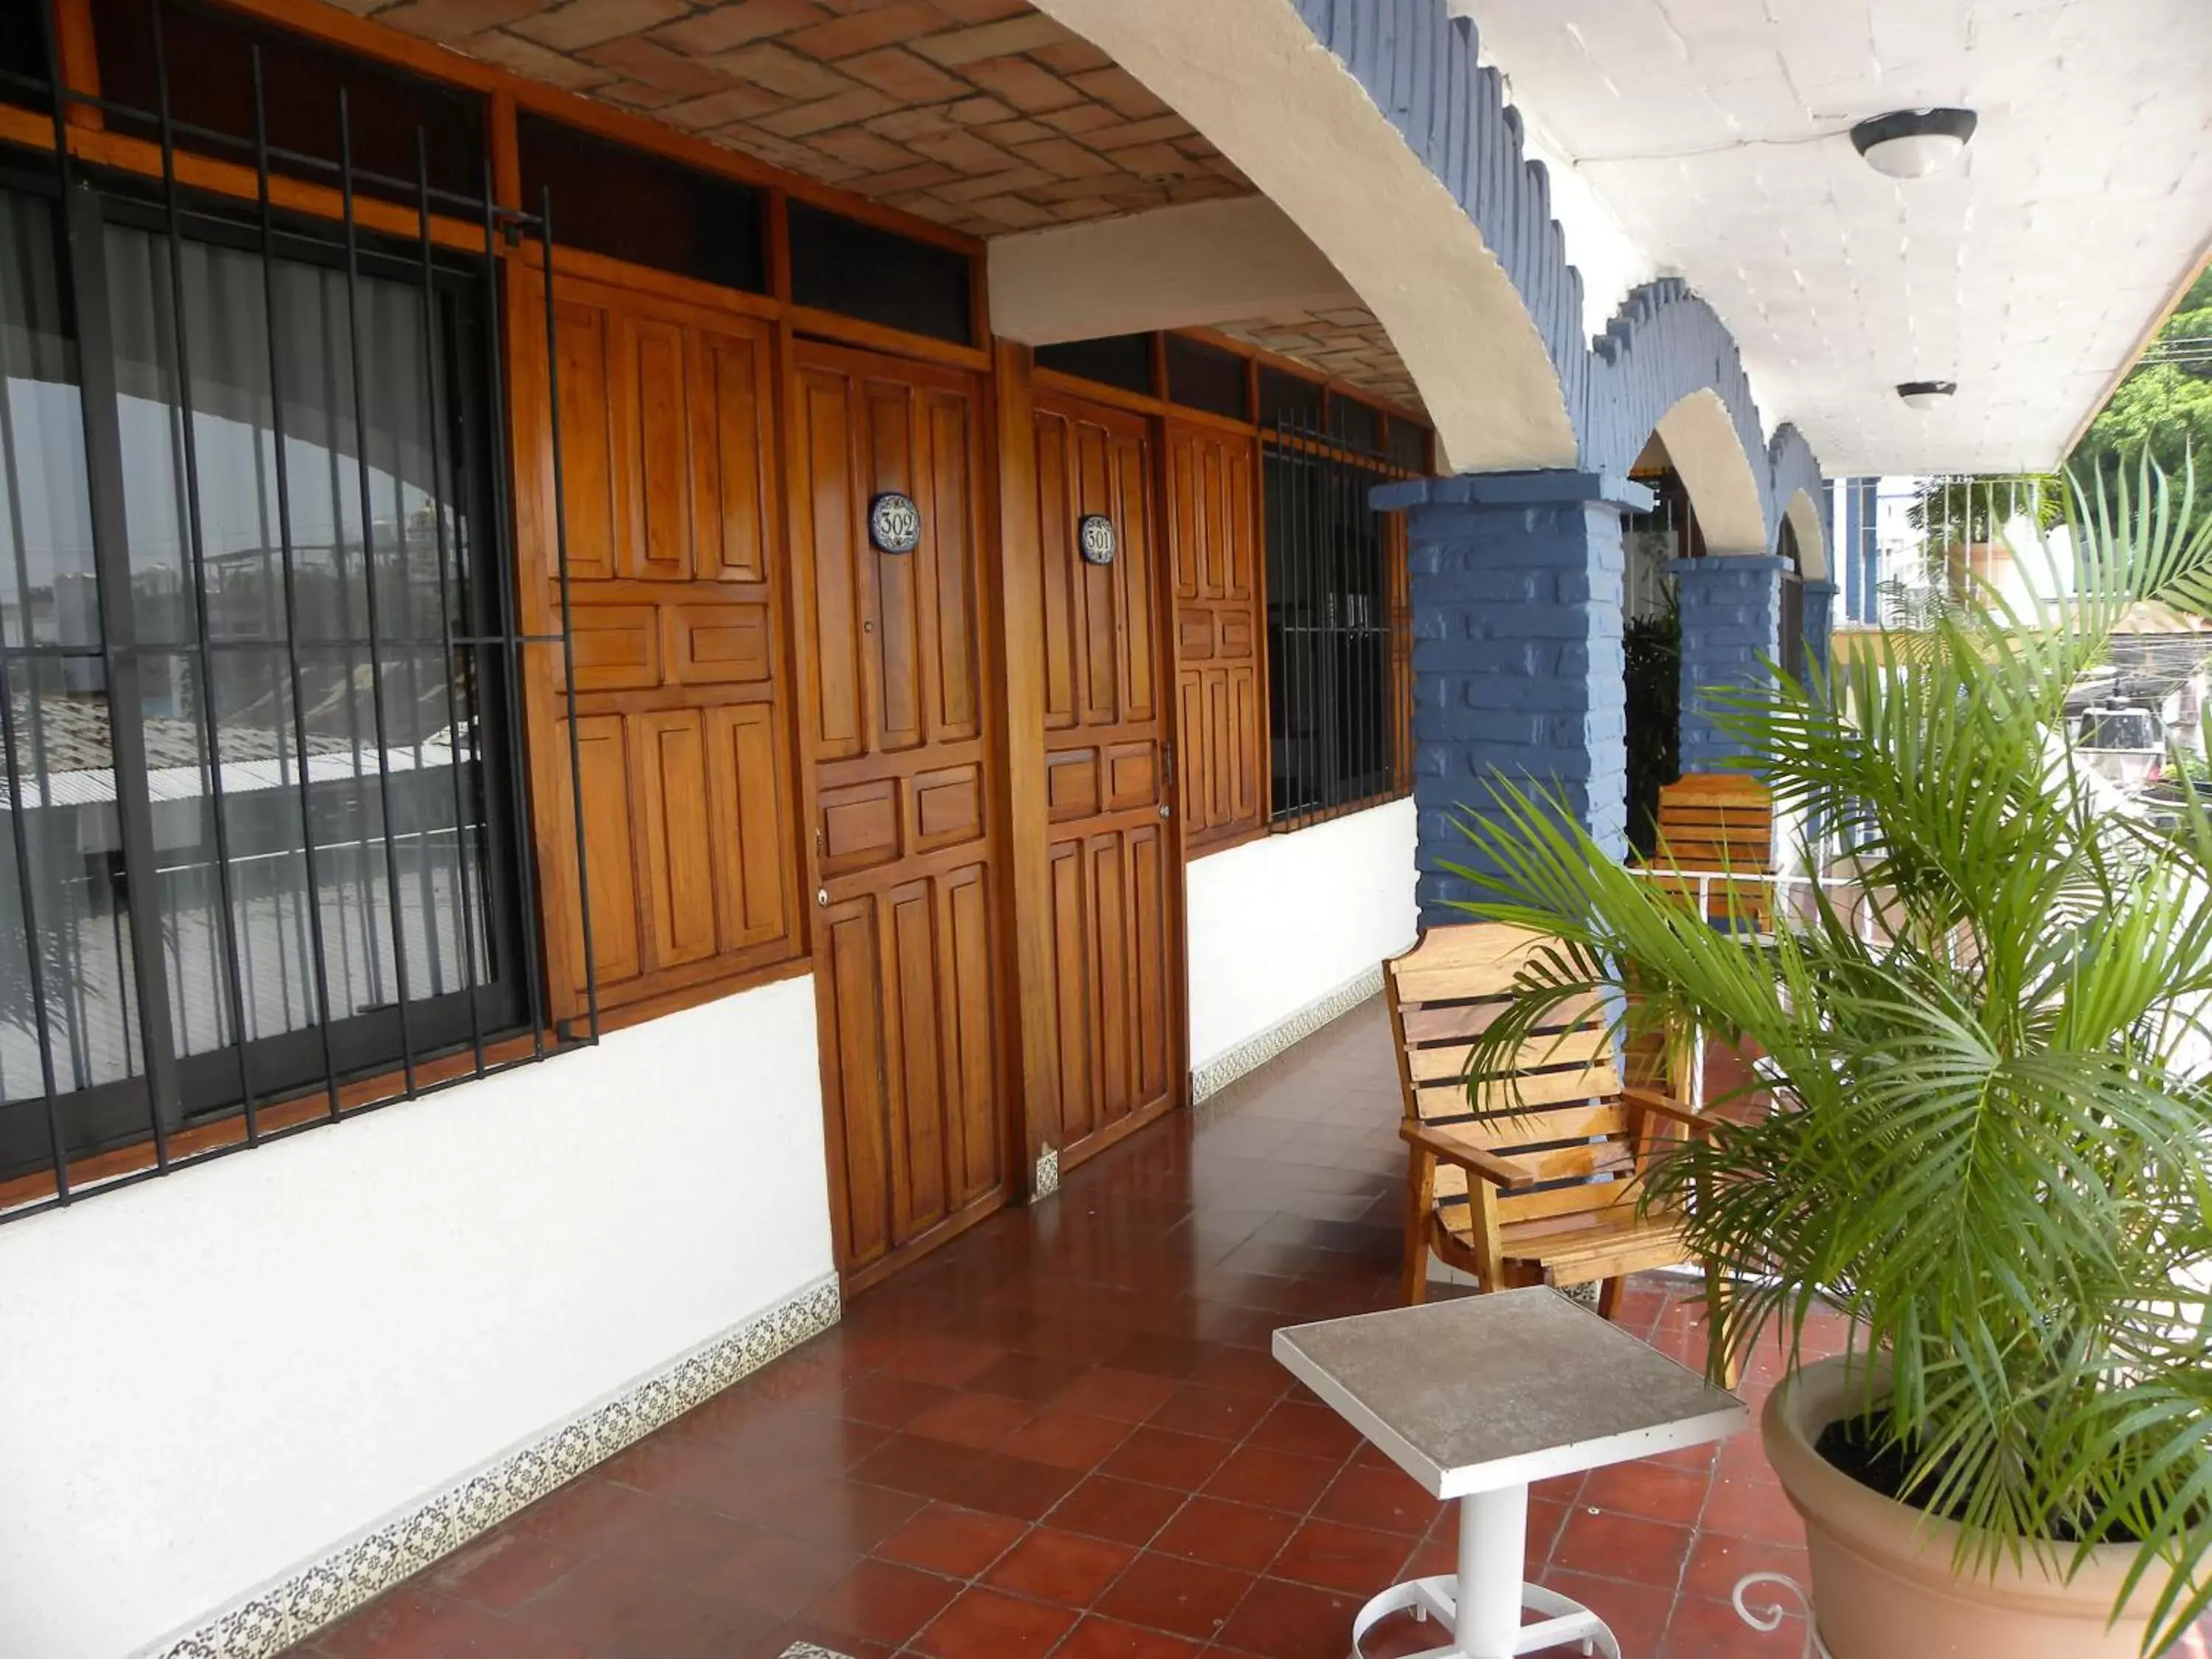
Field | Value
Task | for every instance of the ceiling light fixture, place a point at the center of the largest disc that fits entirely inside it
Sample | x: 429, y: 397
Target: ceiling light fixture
x: 1911, y: 144
x: 1926, y: 394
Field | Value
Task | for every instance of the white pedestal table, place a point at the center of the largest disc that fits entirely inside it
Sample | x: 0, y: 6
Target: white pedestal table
x: 1475, y: 1398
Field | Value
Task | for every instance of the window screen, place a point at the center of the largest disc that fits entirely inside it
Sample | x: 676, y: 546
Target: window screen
x: 1121, y: 360
x: 627, y: 204
x: 1202, y: 376
x: 878, y: 275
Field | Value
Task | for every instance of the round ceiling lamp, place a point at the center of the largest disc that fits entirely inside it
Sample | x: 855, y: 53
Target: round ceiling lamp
x: 1927, y: 394
x: 1911, y: 144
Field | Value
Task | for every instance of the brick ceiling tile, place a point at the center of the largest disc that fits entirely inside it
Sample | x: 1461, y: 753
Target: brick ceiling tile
x: 1080, y: 119
x: 905, y: 125
x: 736, y: 24
x: 1011, y: 212
x: 979, y: 112
x: 719, y: 109
x: 1028, y: 86
x: 1072, y: 57
x: 452, y: 20
x: 970, y: 46
x: 865, y: 31
x: 1117, y: 87
x: 863, y: 150
x: 962, y: 150
x: 919, y: 176
x: 1156, y: 162
x: 983, y: 12
x: 1007, y: 134
x: 1065, y: 158
x: 910, y: 79
x: 646, y: 60
x: 1136, y: 132
x: 587, y: 23
x: 538, y: 63
x: 637, y: 95
x: 780, y: 69
x: 842, y: 110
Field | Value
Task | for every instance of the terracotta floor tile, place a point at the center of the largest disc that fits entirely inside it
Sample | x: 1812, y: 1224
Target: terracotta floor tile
x: 1106, y: 1639
x: 1385, y: 1498
x: 1227, y: 1535
x: 1624, y: 1547
x: 980, y: 1420
x: 681, y: 1623
x: 1108, y: 1391
x: 1166, y: 1459
x: 1649, y: 1490
x: 1063, y: 1567
x: 1187, y: 1598
x: 1355, y: 1559
x: 1272, y: 1479
x: 881, y: 1601
x: 1699, y: 1629
x: 1636, y: 1613
x: 591, y: 1602
x: 1066, y: 1439
x: 1309, y: 1429
x: 1126, y: 1511
x: 411, y: 1622
x: 982, y: 1624
x: 890, y: 1402
x: 501, y: 1569
x: 1752, y: 1508
x: 1718, y: 1561
x: 1279, y: 1619
x: 959, y: 1543
x: 948, y: 1361
x: 1194, y: 1408
x: 775, y: 1573
x: 847, y: 1514
x: 1034, y: 1377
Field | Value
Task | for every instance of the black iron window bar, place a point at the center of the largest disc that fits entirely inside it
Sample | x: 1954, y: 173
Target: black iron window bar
x: 1330, y: 626
x: 156, y: 994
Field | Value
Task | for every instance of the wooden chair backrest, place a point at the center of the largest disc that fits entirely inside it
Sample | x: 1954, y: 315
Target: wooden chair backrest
x: 1718, y: 821
x: 1555, y: 1110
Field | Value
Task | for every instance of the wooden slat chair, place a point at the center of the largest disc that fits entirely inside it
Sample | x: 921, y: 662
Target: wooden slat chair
x: 1720, y: 821
x: 1531, y: 1177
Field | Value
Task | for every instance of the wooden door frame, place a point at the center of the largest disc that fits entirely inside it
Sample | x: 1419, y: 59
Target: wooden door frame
x: 1016, y: 397
x: 794, y: 351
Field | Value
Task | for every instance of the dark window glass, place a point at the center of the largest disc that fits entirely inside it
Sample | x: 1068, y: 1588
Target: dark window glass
x: 627, y: 204
x: 1334, y: 716
x: 23, y: 54
x: 1793, y: 626
x: 211, y: 72
x: 231, y: 856
x: 878, y: 275
x: 1122, y: 360
x: 1354, y: 425
x: 1409, y: 445
x: 1287, y: 397
x: 1200, y: 376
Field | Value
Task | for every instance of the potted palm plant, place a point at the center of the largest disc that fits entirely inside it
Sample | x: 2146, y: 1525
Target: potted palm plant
x: 1988, y: 1138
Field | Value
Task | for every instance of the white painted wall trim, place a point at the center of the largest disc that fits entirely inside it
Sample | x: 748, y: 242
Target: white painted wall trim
x: 293, y: 1608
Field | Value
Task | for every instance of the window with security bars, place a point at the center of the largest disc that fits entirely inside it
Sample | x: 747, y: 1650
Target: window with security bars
x: 1339, y: 660
x: 263, y: 847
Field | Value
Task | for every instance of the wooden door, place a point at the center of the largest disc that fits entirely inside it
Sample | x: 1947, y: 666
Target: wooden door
x: 683, y: 737
x: 1115, y: 873
x: 907, y: 925
x: 1220, y: 707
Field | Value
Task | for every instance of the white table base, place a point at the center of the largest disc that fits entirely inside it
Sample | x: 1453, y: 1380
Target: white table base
x: 1480, y: 1607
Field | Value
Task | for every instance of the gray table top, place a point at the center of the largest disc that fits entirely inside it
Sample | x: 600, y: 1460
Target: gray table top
x: 1490, y: 1391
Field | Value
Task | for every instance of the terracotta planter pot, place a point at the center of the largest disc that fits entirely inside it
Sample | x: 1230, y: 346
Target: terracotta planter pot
x: 1883, y: 1586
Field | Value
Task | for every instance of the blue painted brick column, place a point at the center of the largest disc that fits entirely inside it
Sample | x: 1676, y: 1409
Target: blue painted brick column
x: 1820, y: 620
x: 1517, y: 666
x: 1731, y: 608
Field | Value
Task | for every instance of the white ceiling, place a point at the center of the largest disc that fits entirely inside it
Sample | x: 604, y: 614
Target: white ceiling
x: 2029, y: 275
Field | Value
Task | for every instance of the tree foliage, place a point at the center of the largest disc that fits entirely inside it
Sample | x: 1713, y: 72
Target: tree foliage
x: 2163, y: 408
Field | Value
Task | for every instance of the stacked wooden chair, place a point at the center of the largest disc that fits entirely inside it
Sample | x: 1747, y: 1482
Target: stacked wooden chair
x: 1720, y: 821
x: 1530, y: 1175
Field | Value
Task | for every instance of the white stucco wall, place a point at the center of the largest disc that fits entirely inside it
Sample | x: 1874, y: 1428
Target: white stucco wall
x: 212, y: 1377
x: 1278, y: 923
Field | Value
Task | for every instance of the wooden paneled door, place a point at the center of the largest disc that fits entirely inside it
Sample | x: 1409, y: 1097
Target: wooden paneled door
x: 1221, y: 712
x: 1114, y: 867
x: 682, y: 733
x: 907, y: 924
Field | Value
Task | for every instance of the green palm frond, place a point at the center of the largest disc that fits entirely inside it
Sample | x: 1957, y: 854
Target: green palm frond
x: 1992, y: 1148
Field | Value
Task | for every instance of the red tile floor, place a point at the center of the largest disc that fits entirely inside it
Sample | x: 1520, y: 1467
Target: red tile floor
x: 1063, y: 1434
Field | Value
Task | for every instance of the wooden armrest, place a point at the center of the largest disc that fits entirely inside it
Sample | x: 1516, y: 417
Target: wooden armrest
x: 1651, y: 1100
x: 1441, y: 1143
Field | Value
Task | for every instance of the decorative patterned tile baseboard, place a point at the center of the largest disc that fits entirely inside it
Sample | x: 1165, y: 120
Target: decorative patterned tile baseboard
x: 808, y: 1650
x: 1047, y: 1181
x: 303, y: 1601
x: 1262, y: 1047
